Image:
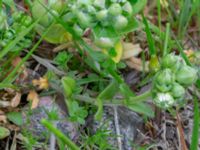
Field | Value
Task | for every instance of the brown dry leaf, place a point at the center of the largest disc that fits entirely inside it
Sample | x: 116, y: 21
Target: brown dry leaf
x: 16, y: 100
x: 3, y: 117
x: 130, y: 50
x: 34, y: 98
x: 42, y: 83
x: 182, y: 145
x: 23, y: 71
x: 137, y: 64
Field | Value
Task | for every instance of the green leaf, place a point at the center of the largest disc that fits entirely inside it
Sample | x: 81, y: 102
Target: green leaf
x: 150, y: 40
x: 10, y: 3
x: 60, y: 135
x: 15, y: 117
x: 68, y: 84
x: 109, y: 91
x: 195, y: 132
x: 138, y: 6
x: 142, y: 108
x: 4, y: 132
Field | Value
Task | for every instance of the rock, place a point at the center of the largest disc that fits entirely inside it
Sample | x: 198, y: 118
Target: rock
x: 47, y: 104
x: 129, y: 122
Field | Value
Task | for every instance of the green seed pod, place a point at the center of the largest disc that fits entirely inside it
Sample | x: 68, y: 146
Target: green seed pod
x: 115, y: 9
x: 102, y: 15
x: 164, y: 100
x: 121, y: 22
x: 127, y: 7
x: 177, y: 91
x: 104, y: 42
x: 164, y: 80
x: 186, y: 75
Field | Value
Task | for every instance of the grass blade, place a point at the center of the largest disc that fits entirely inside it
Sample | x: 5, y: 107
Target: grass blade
x: 150, y: 40
x: 59, y: 134
x: 165, y: 50
x: 195, y: 132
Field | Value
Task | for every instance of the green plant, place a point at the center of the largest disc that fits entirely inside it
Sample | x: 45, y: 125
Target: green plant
x: 171, y: 80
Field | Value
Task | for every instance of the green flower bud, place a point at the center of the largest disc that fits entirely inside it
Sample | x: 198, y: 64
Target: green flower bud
x: 101, y: 15
x: 164, y: 80
x: 164, y: 100
x: 57, y: 5
x: 78, y: 29
x: 128, y: 8
x: 91, y: 9
x: 169, y: 60
x: 177, y: 91
x: 115, y: 9
x: 104, y: 42
x: 120, y: 22
x: 84, y: 19
x: 186, y: 75
x: 69, y: 85
x: 99, y: 3
x: 173, y: 62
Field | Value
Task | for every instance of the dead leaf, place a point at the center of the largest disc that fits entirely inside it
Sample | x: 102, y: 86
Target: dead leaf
x: 42, y: 83
x: 130, y: 50
x: 23, y: 71
x: 34, y: 98
x: 3, y: 118
x: 183, y: 145
x: 16, y: 100
x: 137, y: 64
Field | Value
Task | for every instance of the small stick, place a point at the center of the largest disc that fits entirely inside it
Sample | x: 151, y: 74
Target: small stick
x: 116, y: 120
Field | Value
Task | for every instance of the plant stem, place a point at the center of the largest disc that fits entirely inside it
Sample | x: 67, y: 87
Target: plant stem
x: 141, y: 97
x: 112, y: 102
x: 60, y: 135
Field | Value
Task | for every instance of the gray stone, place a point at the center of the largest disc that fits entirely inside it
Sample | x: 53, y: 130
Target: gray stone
x: 46, y: 104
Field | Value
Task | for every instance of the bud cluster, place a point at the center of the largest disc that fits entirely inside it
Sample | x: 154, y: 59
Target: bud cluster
x: 107, y: 14
x: 19, y: 23
x: 171, y: 81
